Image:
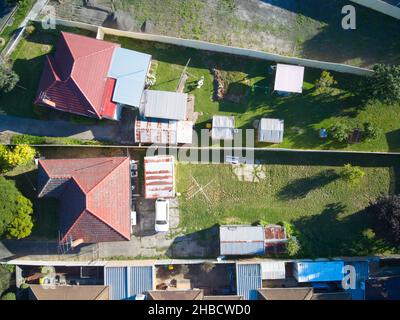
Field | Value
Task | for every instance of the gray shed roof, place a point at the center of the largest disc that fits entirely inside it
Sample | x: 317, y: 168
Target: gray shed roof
x: 164, y: 105
x: 248, y: 280
x: 241, y: 240
x: 270, y: 130
x: 223, y: 128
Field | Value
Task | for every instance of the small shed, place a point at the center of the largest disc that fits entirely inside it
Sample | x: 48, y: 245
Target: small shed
x: 273, y: 270
x: 289, y: 78
x: 159, y: 177
x: 270, y: 130
x: 223, y: 128
x: 241, y: 240
x: 164, y: 105
x: 275, y: 239
x: 248, y: 280
x: 318, y: 271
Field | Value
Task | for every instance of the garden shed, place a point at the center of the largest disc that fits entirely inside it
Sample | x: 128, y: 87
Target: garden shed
x: 270, y: 130
x: 223, y: 128
x: 289, y: 78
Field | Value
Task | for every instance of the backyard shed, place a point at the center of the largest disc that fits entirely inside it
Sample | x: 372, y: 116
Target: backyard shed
x: 127, y: 282
x: 223, y: 128
x: 318, y: 271
x: 272, y: 270
x: 164, y: 105
x: 159, y: 177
x: 241, y: 240
x: 289, y: 78
x: 270, y: 130
x: 248, y: 280
x: 130, y: 69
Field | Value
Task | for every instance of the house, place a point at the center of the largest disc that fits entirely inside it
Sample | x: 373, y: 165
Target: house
x: 92, y: 78
x: 42, y: 292
x: 270, y: 130
x: 223, y: 128
x: 94, y: 197
x: 241, y: 240
x: 159, y: 177
x: 289, y: 79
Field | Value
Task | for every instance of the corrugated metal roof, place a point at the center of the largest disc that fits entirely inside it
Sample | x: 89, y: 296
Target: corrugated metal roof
x: 362, y: 275
x: 318, y: 271
x: 273, y: 270
x: 248, y: 280
x: 289, y: 78
x: 130, y: 69
x: 223, y: 128
x: 127, y: 282
x: 241, y: 240
x: 270, y: 130
x: 164, y: 105
x: 159, y: 177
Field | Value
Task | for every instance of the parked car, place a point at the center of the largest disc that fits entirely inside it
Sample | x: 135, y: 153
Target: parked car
x: 162, y: 215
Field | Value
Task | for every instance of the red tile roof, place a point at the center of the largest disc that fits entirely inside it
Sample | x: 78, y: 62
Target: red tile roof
x: 75, y: 79
x: 95, y: 203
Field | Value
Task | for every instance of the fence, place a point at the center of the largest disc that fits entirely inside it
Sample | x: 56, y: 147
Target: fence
x: 207, y: 46
x: 380, y: 6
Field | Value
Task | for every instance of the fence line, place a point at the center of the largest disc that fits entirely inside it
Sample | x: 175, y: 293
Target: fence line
x: 203, y: 45
x: 380, y: 6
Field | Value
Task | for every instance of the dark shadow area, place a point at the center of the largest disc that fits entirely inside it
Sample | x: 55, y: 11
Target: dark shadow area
x: 300, y: 188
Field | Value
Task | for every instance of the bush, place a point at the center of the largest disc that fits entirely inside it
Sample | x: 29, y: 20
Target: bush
x: 340, y: 132
x: 325, y: 82
x: 207, y: 267
x: 371, y: 131
x: 351, y: 174
x: 8, y: 79
x: 22, y: 225
x: 9, y: 296
x: 30, y: 30
x: 19, y: 155
x: 386, y: 215
x: 293, y: 247
x: 383, y: 85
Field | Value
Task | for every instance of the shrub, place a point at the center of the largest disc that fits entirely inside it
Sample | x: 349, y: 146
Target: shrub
x: 325, y: 81
x: 351, y: 174
x: 371, y: 131
x: 293, y: 246
x: 8, y: 78
x: 22, y: 225
x: 9, y: 296
x: 340, y: 132
x: 207, y: 267
x: 30, y: 30
x: 19, y: 155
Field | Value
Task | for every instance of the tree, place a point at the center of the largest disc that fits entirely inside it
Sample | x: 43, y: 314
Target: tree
x: 386, y: 215
x: 8, y: 78
x: 384, y: 84
x: 371, y: 131
x: 22, y: 225
x: 325, y: 81
x: 351, y: 174
x: 340, y: 132
x: 13, y: 205
x: 19, y: 155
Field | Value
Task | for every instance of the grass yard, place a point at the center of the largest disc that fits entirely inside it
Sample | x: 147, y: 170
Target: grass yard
x: 45, y: 211
x: 326, y: 210
x: 304, y: 114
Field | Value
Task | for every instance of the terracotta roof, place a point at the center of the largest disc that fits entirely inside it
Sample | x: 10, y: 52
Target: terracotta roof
x: 94, y: 196
x: 286, y: 293
x: 331, y: 296
x: 176, y: 294
x: 222, y: 298
x: 40, y: 292
x: 74, y: 80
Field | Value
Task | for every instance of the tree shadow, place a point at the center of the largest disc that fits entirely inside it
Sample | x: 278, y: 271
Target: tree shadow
x: 300, y: 188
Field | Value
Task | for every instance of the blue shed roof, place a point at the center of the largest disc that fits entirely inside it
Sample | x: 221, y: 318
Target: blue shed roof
x: 248, y: 280
x: 318, y: 271
x: 129, y: 68
x: 127, y: 282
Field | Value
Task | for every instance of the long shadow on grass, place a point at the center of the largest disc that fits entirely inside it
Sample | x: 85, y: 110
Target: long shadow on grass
x: 328, y: 235
x: 300, y: 188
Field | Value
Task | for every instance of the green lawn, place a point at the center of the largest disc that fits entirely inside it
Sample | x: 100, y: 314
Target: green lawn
x: 327, y: 211
x: 304, y: 114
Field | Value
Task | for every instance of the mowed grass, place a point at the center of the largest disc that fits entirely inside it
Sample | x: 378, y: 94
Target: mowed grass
x: 304, y: 114
x: 327, y: 211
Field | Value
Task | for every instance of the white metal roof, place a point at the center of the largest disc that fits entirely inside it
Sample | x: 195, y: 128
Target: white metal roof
x: 271, y: 270
x: 241, y: 240
x: 223, y: 128
x: 289, y: 78
x: 270, y: 130
x: 164, y: 105
x: 130, y: 69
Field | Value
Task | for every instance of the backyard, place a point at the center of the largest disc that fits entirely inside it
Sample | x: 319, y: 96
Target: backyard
x: 248, y: 81
x: 327, y: 211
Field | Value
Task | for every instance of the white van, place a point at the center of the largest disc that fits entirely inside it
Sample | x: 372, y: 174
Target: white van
x: 162, y: 215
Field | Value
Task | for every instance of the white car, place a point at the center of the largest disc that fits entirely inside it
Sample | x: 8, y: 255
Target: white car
x: 162, y: 215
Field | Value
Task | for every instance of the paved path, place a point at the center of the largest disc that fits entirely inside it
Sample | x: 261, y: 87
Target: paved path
x: 105, y: 132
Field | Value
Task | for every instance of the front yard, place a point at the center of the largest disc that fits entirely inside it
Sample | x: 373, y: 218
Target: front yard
x: 327, y: 211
